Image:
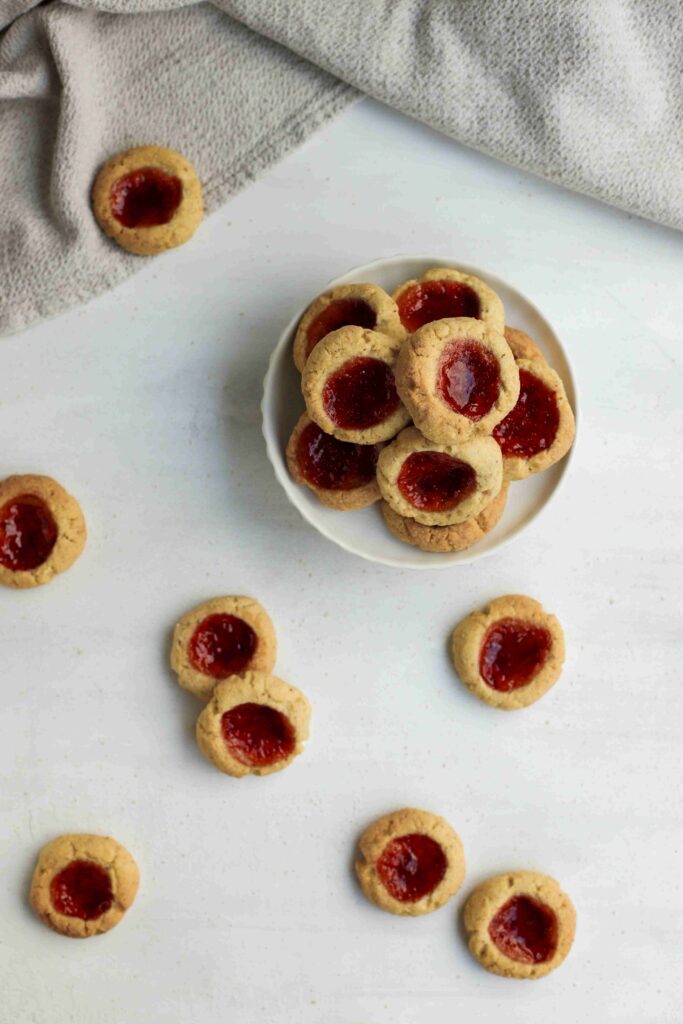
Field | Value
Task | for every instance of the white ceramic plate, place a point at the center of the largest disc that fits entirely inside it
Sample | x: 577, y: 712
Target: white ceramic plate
x: 364, y: 533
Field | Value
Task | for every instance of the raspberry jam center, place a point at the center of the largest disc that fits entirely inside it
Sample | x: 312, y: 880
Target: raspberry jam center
x: 468, y: 378
x: 257, y: 735
x: 435, y: 481
x: 436, y: 300
x: 360, y: 394
x: 82, y: 889
x: 411, y: 867
x: 525, y: 930
x: 146, y: 197
x: 339, y: 313
x: 28, y: 533
x: 531, y: 427
x: 513, y: 652
x: 334, y: 465
x: 222, y: 645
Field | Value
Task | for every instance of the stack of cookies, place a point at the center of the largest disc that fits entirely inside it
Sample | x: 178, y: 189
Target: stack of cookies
x: 426, y: 402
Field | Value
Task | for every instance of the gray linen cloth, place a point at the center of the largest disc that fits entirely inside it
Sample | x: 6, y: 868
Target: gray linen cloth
x: 588, y: 93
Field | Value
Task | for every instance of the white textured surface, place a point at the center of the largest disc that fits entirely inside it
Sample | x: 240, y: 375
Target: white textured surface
x: 145, y: 404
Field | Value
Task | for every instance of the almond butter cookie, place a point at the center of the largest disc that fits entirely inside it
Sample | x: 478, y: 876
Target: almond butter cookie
x: 457, y: 379
x: 342, y: 475
x: 349, y: 388
x: 410, y: 862
x: 510, y: 653
x: 83, y: 884
x: 220, y: 638
x: 446, y: 538
x: 42, y: 530
x: 436, y: 484
x: 148, y: 199
x: 522, y: 346
x: 520, y: 925
x: 347, y: 305
x: 254, y: 724
x: 444, y: 292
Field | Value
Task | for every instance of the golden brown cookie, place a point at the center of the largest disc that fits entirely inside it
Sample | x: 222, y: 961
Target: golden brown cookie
x: 254, y: 724
x: 357, y: 305
x: 220, y: 638
x: 446, y: 538
x: 410, y: 862
x: 342, y: 475
x: 520, y: 925
x: 444, y: 292
x: 349, y: 388
x: 83, y: 884
x: 510, y: 653
x: 522, y: 346
x: 539, y: 431
x: 457, y: 379
x: 436, y: 484
x: 148, y: 199
x: 42, y: 530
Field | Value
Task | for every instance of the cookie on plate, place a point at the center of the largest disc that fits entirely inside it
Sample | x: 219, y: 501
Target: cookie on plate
x: 510, y: 653
x: 347, y: 305
x: 254, y: 724
x: 349, y: 387
x: 457, y: 379
x: 148, y: 199
x: 342, y: 475
x: 520, y: 925
x: 522, y: 346
x: 439, y: 485
x: 220, y: 638
x: 83, y: 884
x: 410, y: 862
x: 444, y: 292
x: 446, y: 538
x: 42, y: 530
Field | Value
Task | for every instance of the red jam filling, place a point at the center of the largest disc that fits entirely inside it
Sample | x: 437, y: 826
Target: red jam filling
x: 222, y: 645
x: 360, y: 394
x: 435, y: 481
x: 468, y: 378
x: 257, y: 735
x: 411, y: 867
x: 531, y: 427
x: 146, y: 197
x: 525, y: 930
x: 28, y: 533
x: 82, y: 889
x: 435, y: 300
x: 339, y: 313
x: 513, y: 652
x: 334, y: 465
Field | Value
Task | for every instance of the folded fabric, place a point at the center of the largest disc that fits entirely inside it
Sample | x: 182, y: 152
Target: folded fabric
x: 587, y: 93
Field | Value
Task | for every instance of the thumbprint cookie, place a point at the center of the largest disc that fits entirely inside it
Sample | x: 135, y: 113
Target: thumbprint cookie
x: 446, y: 538
x: 521, y: 345
x: 410, y: 862
x: 342, y: 475
x: 443, y: 292
x: 510, y: 653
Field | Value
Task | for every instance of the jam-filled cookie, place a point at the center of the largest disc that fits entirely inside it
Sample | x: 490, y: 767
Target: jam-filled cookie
x: 220, y: 638
x: 410, y: 862
x: 347, y: 305
x: 42, y: 530
x: 341, y: 474
x: 520, y: 925
x: 254, y: 724
x: 443, y: 292
x: 522, y: 346
x: 436, y: 484
x: 510, y: 653
x: 446, y: 538
x: 83, y: 884
x: 457, y: 378
x: 148, y: 199
x: 539, y: 430
x: 349, y: 388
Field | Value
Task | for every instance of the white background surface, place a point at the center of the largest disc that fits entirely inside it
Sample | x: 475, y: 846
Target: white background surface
x: 145, y: 405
